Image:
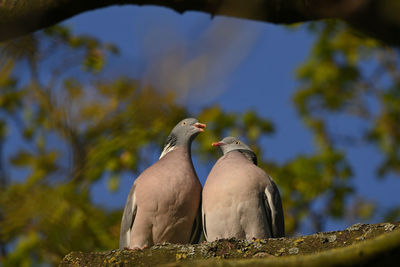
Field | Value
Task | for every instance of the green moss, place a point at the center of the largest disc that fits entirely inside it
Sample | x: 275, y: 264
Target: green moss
x: 234, y: 252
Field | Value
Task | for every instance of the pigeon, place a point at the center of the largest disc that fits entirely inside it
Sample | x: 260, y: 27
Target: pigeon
x: 164, y: 202
x: 239, y: 199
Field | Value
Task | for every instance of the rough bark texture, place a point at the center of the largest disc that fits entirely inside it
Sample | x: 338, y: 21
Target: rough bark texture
x: 376, y: 17
x: 340, y: 248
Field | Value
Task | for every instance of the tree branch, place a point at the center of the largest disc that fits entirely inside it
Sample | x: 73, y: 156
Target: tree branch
x: 377, y: 17
x: 340, y: 248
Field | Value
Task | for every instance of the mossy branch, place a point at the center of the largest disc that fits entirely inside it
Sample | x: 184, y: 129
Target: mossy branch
x: 340, y: 248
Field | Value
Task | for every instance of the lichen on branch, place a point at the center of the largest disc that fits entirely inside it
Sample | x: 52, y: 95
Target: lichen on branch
x: 337, y: 248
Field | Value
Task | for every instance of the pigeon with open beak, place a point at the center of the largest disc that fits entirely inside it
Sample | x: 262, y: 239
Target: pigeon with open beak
x: 164, y: 202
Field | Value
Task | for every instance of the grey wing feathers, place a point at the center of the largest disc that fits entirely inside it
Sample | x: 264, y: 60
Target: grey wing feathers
x: 274, y: 202
x: 197, y: 228
x: 127, y: 219
x: 204, y: 226
x: 267, y: 213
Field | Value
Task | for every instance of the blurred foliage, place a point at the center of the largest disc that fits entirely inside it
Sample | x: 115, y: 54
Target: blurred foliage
x: 353, y: 77
x: 68, y: 127
x: 65, y: 125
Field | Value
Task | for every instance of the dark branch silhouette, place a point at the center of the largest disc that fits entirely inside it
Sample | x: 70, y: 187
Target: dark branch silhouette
x: 378, y: 18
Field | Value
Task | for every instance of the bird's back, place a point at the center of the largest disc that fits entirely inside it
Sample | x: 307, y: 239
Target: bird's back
x: 233, y: 199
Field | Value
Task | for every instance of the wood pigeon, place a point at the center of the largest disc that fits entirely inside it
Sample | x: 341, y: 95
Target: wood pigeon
x: 239, y: 199
x: 164, y: 202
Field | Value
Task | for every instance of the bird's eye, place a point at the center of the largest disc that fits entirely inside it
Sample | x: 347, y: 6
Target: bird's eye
x: 184, y: 123
x: 237, y: 142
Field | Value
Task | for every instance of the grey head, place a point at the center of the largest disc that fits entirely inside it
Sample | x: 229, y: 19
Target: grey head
x: 183, y: 134
x: 229, y: 144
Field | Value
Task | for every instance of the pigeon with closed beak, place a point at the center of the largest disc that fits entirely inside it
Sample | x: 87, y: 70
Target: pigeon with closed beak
x: 239, y: 199
x: 164, y: 202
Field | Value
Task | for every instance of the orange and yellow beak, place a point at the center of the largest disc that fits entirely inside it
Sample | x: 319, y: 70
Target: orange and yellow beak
x: 218, y: 144
x: 200, y: 126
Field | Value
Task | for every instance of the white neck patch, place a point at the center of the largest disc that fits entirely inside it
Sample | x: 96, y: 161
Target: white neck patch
x: 167, y: 148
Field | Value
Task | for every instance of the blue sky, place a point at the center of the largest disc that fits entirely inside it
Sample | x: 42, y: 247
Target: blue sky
x: 235, y: 63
